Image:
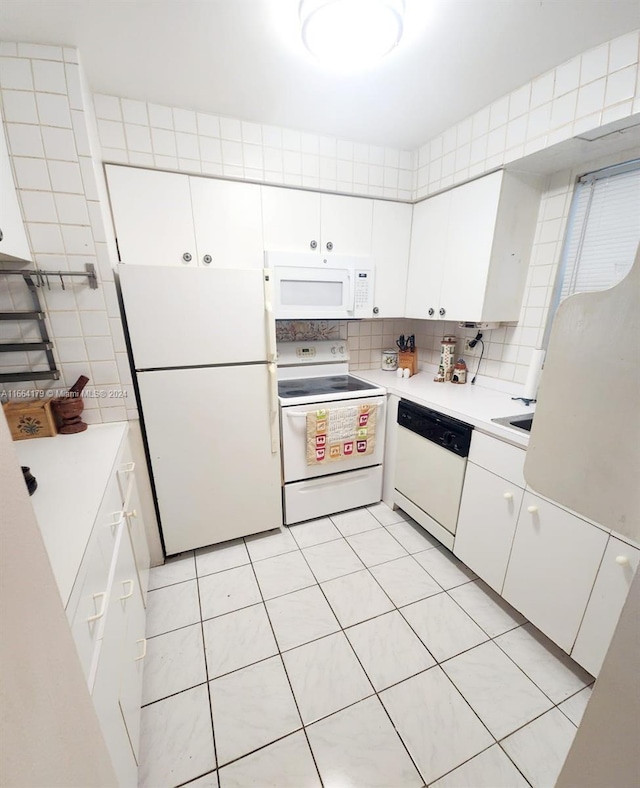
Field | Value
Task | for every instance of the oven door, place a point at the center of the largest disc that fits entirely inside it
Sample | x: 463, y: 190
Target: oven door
x: 294, y: 440
x: 313, y: 292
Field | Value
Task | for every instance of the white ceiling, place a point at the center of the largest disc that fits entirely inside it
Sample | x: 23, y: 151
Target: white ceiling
x: 242, y: 58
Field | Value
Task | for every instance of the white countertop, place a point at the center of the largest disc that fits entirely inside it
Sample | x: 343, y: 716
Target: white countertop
x: 72, y: 473
x: 473, y: 404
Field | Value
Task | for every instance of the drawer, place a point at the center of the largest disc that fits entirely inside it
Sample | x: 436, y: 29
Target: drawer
x: 89, y: 596
x: 313, y: 498
x: 499, y: 457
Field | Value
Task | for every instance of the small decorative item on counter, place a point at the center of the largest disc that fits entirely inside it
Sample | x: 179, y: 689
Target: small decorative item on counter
x: 30, y: 419
x: 447, y: 356
x: 29, y: 479
x: 67, y: 409
x: 459, y: 372
x: 389, y: 360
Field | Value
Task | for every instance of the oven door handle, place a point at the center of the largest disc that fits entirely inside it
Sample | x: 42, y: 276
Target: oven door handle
x: 297, y: 414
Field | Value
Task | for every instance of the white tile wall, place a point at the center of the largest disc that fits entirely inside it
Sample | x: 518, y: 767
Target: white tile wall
x: 150, y: 135
x: 599, y: 86
x: 48, y: 117
x: 57, y: 147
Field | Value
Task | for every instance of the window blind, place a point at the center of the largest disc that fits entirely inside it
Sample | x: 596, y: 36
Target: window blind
x: 603, y: 231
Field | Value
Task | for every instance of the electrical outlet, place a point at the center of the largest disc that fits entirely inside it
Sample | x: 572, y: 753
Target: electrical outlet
x: 467, y: 348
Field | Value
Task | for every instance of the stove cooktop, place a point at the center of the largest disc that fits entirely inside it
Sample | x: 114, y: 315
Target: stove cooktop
x: 334, y: 384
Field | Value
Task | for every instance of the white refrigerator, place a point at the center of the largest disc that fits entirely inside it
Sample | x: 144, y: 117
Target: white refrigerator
x: 203, y: 345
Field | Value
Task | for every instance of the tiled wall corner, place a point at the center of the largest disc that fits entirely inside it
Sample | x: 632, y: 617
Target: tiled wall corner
x: 589, y: 91
x: 150, y: 135
x: 44, y: 109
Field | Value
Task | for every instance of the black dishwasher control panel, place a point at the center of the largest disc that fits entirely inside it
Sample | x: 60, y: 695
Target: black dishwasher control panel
x: 451, y: 434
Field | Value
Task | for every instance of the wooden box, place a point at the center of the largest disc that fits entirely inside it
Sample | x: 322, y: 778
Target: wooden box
x: 408, y: 360
x: 30, y: 419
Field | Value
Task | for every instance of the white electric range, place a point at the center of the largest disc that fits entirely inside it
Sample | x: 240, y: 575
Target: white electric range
x: 332, y: 428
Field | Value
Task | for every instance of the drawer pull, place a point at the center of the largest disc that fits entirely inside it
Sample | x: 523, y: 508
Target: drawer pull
x: 126, y: 596
x: 100, y: 612
x: 532, y: 509
x: 622, y: 560
x: 508, y: 496
x: 144, y: 649
x: 132, y: 513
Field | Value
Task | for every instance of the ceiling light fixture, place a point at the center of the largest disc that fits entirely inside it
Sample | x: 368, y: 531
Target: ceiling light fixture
x: 351, y: 34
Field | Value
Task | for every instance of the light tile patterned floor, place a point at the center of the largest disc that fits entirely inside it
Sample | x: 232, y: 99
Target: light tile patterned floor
x: 348, y: 651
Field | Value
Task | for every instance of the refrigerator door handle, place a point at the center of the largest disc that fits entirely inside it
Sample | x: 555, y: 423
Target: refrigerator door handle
x: 271, y: 324
x: 273, y: 407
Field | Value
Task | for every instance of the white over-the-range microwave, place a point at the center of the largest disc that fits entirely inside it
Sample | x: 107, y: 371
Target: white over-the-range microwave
x: 314, y: 286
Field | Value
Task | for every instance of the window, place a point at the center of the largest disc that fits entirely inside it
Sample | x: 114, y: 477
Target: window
x: 603, y: 233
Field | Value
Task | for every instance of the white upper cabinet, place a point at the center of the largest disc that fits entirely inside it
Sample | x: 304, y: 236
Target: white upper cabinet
x: 290, y: 220
x: 152, y: 216
x: 345, y: 225
x: 470, y: 250
x: 13, y: 238
x: 164, y: 218
x: 301, y: 221
x: 390, y: 252
x: 228, y: 223
x: 427, y: 256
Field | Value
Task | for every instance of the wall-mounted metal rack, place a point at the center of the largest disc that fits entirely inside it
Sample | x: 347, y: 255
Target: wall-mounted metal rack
x: 34, y: 279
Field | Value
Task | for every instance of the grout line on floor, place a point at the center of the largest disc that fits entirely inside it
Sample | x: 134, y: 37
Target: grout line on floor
x: 206, y: 670
x: 284, y: 667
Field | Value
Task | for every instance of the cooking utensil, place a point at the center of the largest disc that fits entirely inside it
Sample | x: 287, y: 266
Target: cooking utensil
x: 400, y: 342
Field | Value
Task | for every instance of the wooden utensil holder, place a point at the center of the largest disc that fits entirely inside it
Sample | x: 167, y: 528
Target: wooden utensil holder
x: 408, y: 359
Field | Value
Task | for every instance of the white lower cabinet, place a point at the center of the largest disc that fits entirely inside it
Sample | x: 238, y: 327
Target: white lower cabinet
x: 106, y: 613
x: 113, y: 688
x: 487, y: 523
x: 552, y: 568
x: 612, y: 584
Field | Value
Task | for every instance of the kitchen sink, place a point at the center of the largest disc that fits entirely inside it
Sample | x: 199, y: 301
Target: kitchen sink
x: 522, y: 422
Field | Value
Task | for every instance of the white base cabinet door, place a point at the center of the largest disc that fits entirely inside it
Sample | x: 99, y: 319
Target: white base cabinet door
x: 614, y: 578
x: 486, y: 524
x: 552, y: 569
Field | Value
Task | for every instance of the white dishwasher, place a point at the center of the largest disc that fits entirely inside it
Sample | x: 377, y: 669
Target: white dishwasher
x: 430, y: 465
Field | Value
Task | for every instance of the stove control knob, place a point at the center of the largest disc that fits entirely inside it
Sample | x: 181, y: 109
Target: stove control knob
x: 334, y: 350
x: 342, y: 349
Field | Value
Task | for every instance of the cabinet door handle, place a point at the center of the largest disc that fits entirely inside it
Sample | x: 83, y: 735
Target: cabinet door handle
x: 622, y: 560
x: 329, y: 245
x: 100, y: 612
x: 126, y: 596
x: 132, y: 513
x: 187, y: 257
x: 443, y: 311
x: 207, y: 259
x: 431, y: 312
x: 532, y: 509
x: 508, y: 496
x: 314, y: 244
x: 144, y: 649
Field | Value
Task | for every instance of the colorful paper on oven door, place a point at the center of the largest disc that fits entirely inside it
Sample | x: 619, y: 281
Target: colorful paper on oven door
x: 335, y: 434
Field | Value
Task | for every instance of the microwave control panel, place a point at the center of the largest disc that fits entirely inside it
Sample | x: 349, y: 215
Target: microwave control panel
x: 363, y: 294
